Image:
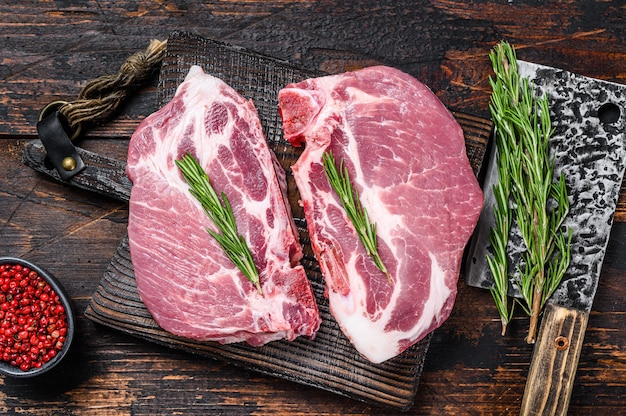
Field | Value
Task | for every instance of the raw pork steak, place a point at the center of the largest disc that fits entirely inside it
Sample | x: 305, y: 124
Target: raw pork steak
x: 184, y: 278
x: 406, y: 156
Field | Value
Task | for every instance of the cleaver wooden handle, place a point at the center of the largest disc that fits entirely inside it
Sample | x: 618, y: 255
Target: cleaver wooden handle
x: 554, y: 362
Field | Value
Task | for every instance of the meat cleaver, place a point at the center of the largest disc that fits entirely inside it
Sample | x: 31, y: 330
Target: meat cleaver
x: 589, y: 117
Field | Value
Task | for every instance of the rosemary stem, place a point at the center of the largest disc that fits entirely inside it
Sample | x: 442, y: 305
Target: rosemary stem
x: 534, y: 317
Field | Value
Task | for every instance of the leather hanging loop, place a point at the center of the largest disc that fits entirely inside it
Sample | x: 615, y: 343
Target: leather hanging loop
x: 53, y: 132
x: 73, y: 131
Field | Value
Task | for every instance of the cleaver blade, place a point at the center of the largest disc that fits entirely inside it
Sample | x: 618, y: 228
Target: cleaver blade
x: 589, y: 146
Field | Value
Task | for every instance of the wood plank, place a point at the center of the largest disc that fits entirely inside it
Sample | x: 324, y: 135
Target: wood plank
x: 57, y: 46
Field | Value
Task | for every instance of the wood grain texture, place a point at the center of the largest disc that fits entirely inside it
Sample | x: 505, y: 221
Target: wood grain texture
x: 555, y: 360
x: 50, y: 48
x: 56, y: 46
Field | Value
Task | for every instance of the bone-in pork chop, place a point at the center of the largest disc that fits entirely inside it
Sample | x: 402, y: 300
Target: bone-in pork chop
x: 186, y: 281
x: 406, y: 156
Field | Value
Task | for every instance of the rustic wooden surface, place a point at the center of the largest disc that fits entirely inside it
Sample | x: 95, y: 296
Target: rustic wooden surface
x: 49, y: 49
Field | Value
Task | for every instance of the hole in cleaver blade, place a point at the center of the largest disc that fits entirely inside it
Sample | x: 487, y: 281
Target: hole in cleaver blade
x: 609, y: 113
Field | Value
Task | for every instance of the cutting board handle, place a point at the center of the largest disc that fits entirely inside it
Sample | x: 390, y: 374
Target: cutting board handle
x: 554, y: 362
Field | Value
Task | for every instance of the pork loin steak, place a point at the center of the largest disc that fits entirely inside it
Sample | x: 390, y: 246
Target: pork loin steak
x: 406, y: 156
x: 188, y: 284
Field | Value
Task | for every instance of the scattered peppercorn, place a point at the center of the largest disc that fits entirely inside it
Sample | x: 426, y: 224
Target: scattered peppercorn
x: 33, y: 321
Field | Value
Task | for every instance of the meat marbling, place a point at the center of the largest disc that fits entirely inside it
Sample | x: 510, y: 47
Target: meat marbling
x: 406, y: 156
x: 184, y: 278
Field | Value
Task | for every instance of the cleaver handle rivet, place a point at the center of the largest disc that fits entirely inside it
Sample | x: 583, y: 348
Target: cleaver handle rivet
x: 561, y: 343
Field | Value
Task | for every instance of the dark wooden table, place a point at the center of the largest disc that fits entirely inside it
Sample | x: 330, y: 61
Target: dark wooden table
x: 50, y: 49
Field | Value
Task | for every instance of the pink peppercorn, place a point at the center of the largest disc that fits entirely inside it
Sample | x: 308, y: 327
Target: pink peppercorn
x: 33, y: 321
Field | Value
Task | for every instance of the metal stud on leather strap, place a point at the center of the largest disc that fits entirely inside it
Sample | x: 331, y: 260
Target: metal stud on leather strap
x: 53, y: 131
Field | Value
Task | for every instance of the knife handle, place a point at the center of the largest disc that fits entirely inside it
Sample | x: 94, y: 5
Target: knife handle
x: 554, y: 362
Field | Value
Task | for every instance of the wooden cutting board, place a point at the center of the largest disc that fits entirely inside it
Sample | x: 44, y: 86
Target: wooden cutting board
x: 329, y: 361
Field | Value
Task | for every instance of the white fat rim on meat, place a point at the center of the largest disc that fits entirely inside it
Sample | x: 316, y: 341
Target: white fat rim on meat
x: 363, y: 332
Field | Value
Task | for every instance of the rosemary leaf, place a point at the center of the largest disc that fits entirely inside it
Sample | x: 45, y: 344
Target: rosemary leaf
x: 340, y: 182
x: 221, y: 214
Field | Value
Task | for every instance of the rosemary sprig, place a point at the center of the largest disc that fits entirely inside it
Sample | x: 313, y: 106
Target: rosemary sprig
x: 499, y: 237
x: 505, y: 87
x: 526, y: 192
x: 340, y: 182
x: 221, y: 214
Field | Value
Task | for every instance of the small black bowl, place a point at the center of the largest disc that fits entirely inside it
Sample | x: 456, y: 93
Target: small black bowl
x: 13, y: 371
